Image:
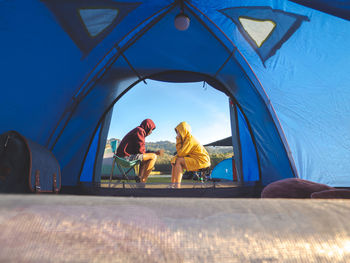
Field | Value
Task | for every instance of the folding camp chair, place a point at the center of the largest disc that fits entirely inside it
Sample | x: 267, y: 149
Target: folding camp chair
x: 123, y: 165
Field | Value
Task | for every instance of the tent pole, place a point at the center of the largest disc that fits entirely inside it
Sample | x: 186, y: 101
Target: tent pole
x: 236, y: 143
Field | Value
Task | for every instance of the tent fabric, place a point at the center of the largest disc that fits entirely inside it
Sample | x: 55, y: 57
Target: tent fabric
x: 339, y: 8
x: 88, y: 22
x: 223, y: 170
x: 223, y: 142
x: 236, y: 143
x: 250, y: 168
x: 293, y: 88
x: 88, y: 169
x: 285, y: 24
x: 102, y: 140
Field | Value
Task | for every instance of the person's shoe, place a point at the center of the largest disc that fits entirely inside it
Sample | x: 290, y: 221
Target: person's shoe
x: 137, y: 179
x: 174, y: 186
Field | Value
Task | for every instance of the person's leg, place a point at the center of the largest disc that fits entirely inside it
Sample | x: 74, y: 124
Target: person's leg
x: 172, y: 173
x: 178, y: 168
x: 147, y: 164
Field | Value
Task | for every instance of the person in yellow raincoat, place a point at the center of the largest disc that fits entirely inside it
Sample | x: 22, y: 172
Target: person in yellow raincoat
x: 190, y: 156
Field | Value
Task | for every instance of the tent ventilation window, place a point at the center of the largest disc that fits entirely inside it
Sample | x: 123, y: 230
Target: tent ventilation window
x: 258, y: 30
x: 97, y: 20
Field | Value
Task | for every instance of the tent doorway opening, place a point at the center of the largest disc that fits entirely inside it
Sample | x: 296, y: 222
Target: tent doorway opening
x: 213, y: 116
x: 205, y: 109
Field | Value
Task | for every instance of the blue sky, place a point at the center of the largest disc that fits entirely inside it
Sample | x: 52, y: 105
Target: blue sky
x: 167, y: 104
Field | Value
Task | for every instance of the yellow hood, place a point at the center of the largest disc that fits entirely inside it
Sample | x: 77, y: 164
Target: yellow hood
x: 184, y: 129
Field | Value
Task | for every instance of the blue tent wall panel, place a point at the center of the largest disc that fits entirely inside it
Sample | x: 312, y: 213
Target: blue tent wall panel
x: 309, y: 97
x: 101, y: 145
x: 177, y: 50
x: 299, y: 78
x: 249, y: 155
x: 33, y: 76
x: 270, y: 78
x: 88, y: 170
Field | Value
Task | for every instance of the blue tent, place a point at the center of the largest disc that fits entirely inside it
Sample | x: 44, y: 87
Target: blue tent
x: 284, y: 64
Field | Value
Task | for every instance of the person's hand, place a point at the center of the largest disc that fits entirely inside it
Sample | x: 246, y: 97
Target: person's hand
x: 160, y: 152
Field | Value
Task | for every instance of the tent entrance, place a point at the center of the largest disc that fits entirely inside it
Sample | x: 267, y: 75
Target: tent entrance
x: 91, y: 173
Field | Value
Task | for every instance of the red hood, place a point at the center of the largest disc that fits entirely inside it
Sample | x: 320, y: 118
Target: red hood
x: 147, y: 125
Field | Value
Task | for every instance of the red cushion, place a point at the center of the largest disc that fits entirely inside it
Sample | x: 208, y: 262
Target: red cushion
x: 336, y: 193
x: 293, y: 188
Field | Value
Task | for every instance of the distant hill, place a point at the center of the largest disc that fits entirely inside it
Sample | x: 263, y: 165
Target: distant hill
x: 170, y: 147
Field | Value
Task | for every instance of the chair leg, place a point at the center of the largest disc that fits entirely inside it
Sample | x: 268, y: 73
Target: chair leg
x: 201, y: 178
x: 125, y: 175
x: 121, y: 172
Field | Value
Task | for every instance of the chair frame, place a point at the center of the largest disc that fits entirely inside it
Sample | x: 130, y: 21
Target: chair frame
x: 122, y: 163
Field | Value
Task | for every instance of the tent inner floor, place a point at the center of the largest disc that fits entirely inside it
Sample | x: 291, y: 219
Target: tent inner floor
x: 40, y: 228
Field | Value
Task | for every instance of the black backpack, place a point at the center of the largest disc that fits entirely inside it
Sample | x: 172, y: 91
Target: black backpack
x: 26, y: 166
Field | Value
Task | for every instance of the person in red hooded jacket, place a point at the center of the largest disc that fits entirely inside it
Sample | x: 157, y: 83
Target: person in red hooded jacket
x: 132, y: 147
